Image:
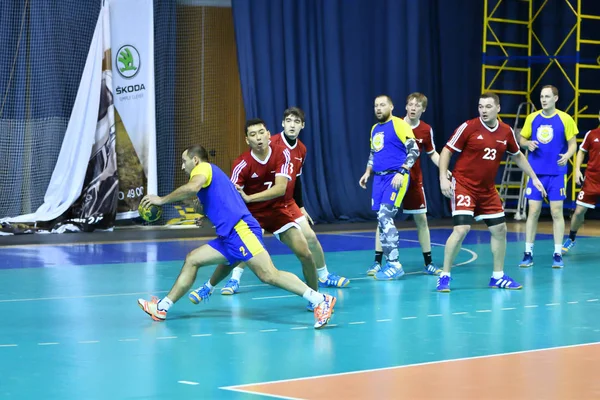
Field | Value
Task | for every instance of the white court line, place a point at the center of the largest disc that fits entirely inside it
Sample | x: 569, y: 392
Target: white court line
x: 268, y: 330
x: 274, y: 297
x: 188, y: 382
x: 472, y: 259
x: 473, y: 254
x: 166, y: 337
x: 203, y: 335
x: 591, y: 300
x: 128, y: 340
x: 357, y: 323
x: 508, y: 308
x: 238, y: 388
x: 460, y: 313
x: 88, y: 341
x: 48, y: 343
x: 383, y: 320
x: 8, y: 345
x: 235, y: 333
x: 480, y: 311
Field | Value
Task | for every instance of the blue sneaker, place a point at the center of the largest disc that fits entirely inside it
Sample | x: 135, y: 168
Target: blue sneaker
x: 506, y: 282
x: 431, y: 269
x: 390, y: 272
x: 333, y: 280
x: 375, y: 268
x: 310, y: 307
x: 443, y: 283
x: 567, y: 245
x: 527, y: 261
x: 198, y: 295
x: 231, y: 287
x: 557, y: 261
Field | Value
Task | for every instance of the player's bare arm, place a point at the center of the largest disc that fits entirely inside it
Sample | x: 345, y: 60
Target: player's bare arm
x: 578, y: 162
x: 444, y: 162
x: 365, y: 178
x: 522, y: 163
x: 435, y: 159
x: 184, y: 192
x: 564, y: 158
x: 277, y: 190
x: 530, y: 145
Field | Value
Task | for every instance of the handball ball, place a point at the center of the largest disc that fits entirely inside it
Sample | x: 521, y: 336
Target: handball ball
x: 150, y: 214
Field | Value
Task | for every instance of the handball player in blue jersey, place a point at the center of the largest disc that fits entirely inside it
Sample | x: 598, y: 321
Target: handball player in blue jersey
x: 550, y: 137
x: 394, y: 151
x: 239, y: 239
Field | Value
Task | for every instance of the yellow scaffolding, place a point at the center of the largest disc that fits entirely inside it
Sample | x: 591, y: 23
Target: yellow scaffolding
x: 517, y: 57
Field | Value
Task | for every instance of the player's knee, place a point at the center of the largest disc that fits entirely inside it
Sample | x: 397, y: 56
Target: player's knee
x: 267, y: 275
x: 556, y: 212
x: 310, y: 236
x: 420, y: 220
x: 462, y: 230
x: 303, y: 253
x: 579, y: 212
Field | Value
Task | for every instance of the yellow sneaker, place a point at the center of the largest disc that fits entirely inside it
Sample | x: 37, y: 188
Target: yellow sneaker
x: 151, y: 308
x: 323, y: 311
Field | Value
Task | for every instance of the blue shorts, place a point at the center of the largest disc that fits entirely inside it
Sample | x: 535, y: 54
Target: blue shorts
x: 243, y: 243
x: 384, y: 193
x: 555, y: 186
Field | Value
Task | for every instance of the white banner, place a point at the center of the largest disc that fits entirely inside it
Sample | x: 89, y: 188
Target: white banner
x: 132, y: 38
x: 82, y: 189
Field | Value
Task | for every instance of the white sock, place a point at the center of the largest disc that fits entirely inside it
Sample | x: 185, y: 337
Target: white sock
x: 209, y: 285
x: 323, y: 272
x: 529, y: 248
x: 445, y: 273
x: 164, y: 304
x: 497, y: 274
x: 314, y: 297
x: 237, y: 273
x: 557, y: 248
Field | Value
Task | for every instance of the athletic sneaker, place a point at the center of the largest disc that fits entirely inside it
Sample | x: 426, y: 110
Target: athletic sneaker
x: 506, y: 282
x: 567, y: 245
x: 151, y: 308
x: 375, y: 268
x: 431, y: 269
x: 527, y: 260
x: 390, y: 272
x: 196, y: 296
x: 323, y: 311
x: 333, y: 280
x: 557, y: 261
x: 231, y: 287
x: 443, y: 283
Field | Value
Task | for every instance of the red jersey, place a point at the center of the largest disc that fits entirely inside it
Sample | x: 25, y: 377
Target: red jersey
x: 591, y: 145
x: 297, y: 159
x: 424, y: 136
x: 482, y: 148
x: 256, y: 175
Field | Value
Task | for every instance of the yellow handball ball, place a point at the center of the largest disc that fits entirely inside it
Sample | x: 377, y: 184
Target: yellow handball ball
x: 150, y: 214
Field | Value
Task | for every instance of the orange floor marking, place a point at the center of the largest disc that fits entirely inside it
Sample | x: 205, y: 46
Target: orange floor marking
x: 559, y: 373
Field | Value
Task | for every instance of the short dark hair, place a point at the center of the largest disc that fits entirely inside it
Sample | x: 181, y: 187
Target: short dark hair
x: 197, y: 151
x: 254, y: 121
x: 553, y: 88
x: 294, y: 112
x: 491, y: 95
x: 387, y: 97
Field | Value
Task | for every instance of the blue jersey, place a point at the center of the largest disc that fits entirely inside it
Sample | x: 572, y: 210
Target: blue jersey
x: 222, y: 203
x: 388, y: 144
x: 552, y: 133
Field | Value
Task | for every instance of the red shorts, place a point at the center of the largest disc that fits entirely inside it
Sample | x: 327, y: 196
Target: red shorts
x: 414, y: 200
x: 278, y: 220
x: 481, y: 205
x: 293, y: 208
x: 589, y: 194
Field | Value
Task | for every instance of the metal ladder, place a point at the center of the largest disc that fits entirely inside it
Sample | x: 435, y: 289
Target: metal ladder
x: 514, y: 181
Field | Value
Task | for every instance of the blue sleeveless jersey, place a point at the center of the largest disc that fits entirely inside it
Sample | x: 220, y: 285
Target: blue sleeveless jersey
x: 222, y: 203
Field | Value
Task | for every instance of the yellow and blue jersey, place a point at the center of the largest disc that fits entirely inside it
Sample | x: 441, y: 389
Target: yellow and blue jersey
x: 552, y: 133
x: 388, y: 144
x: 222, y: 203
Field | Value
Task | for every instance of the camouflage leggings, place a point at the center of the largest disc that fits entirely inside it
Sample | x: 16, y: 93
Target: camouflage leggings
x: 388, y: 234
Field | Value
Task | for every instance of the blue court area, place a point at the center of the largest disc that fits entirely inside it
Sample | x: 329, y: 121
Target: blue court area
x: 71, y: 327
